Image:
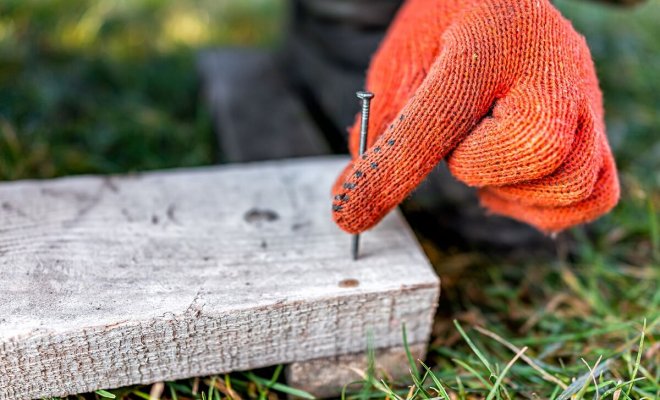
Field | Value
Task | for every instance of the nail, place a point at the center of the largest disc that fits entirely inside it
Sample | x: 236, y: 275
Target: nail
x: 365, y: 97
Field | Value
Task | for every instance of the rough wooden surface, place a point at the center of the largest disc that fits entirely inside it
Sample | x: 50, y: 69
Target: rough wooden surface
x: 313, y: 377
x: 113, y: 281
x: 256, y: 114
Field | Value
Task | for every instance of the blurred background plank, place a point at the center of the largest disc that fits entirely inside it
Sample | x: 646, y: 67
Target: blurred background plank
x: 256, y: 115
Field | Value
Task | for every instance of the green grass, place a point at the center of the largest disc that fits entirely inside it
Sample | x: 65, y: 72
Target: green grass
x: 109, y: 86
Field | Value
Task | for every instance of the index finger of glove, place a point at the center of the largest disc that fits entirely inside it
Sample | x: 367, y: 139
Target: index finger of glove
x: 454, y: 96
x: 402, y: 61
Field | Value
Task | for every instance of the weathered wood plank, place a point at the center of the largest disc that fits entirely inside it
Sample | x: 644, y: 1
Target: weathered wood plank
x: 256, y: 114
x: 110, y: 281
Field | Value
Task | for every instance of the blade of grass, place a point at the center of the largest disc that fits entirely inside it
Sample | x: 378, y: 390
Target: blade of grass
x: 529, y: 341
x: 276, y: 376
x: 468, y: 368
x: 638, y: 360
x: 545, y: 375
x: 461, y: 387
x: 280, y: 387
x: 172, y: 389
x: 584, y: 389
x: 371, y: 368
x: 620, y: 386
x: 345, y: 387
x: 105, y: 394
x: 141, y: 395
x: 212, y: 387
x: 439, y: 386
x: 580, y: 382
x: 226, y: 389
x: 379, y: 385
x: 474, y: 347
x: 555, y: 393
x: 411, y: 361
x: 383, y: 387
x: 506, y: 369
x: 419, y: 385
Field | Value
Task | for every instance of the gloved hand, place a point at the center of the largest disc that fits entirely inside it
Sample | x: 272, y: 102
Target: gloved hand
x: 506, y: 92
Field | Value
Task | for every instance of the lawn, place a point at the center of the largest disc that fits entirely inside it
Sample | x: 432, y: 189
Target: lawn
x: 109, y: 86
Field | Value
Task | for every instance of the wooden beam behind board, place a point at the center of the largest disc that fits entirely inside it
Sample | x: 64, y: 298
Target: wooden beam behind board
x: 327, y: 377
x: 256, y: 115
x: 112, y: 281
x: 332, y: 85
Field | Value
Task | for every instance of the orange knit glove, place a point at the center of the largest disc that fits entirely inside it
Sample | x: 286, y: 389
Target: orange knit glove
x: 506, y: 92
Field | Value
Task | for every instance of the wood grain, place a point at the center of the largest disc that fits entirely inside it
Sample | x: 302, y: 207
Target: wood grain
x: 111, y: 281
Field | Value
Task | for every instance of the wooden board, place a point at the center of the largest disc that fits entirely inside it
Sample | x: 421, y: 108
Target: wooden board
x: 111, y: 281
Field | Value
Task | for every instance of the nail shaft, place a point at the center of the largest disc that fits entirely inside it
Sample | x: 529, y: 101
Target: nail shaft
x: 365, y: 98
